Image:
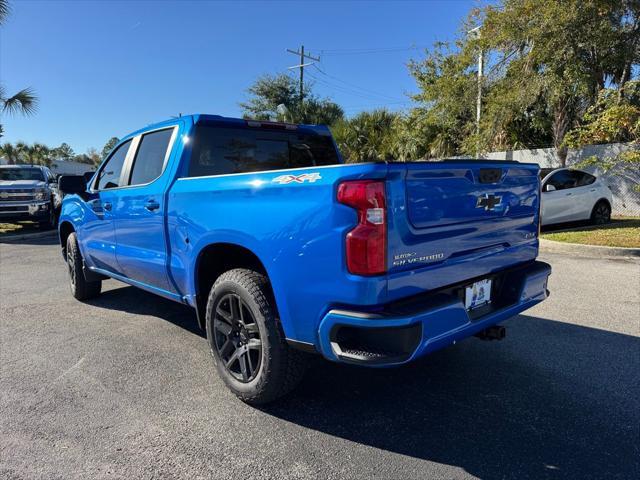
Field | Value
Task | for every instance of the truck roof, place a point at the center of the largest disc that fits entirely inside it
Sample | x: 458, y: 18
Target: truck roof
x: 235, y: 122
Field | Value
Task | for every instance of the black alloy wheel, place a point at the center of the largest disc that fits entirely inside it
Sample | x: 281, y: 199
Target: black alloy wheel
x: 601, y: 214
x: 71, y: 265
x: 81, y: 289
x: 237, y: 338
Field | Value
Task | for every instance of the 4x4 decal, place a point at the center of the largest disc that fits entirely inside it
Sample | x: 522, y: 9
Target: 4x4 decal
x: 305, y: 177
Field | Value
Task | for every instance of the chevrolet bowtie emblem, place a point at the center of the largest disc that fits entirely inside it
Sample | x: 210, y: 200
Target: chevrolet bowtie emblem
x: 488, y: 202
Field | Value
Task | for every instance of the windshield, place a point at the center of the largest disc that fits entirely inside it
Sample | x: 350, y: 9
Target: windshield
x: 21, y: 174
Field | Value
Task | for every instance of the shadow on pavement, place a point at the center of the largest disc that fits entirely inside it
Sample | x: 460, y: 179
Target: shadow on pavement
x: 134, y: 300
x: 553, y: 400
x: 51, y: 239
x: 587, y: 225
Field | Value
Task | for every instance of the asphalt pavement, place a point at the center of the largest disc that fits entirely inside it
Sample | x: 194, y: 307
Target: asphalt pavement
x: 123, y: 387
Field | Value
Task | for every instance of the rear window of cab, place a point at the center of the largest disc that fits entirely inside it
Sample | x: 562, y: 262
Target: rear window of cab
x: 220, y: 151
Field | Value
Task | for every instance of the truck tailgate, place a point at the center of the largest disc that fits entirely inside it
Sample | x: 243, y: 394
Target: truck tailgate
x: 456, y: 220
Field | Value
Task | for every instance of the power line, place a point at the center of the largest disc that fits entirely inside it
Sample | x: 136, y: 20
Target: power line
x: 368, y: 51
x: 343, y: 89
x: 354, y: 85
x: 367, y: 105
x: 352, y: 91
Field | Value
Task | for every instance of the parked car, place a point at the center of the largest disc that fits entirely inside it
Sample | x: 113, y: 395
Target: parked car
x: 282, y: 249
x: 28, y: 192
x: 570, y: 195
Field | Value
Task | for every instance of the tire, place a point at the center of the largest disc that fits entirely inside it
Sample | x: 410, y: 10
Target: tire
x: 601, y: 213
x: 81, y: 289
x: 50, y: 222
x: 246, y: 339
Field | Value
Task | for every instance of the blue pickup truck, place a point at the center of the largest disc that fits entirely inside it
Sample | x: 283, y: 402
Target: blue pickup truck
x: 283, y: 250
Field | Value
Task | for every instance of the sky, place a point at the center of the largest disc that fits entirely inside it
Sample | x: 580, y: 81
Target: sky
x: 105, y: 68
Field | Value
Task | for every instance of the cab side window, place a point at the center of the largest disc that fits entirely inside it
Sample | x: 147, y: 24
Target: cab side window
x: 584, y: 179
x: 149, y: 160
x: 109, y: 176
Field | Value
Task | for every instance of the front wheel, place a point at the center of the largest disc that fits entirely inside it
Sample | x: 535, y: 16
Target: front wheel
x: 50, y: 221
x: 601, y: 213
x: 81, y: 289
x: 247, y: 342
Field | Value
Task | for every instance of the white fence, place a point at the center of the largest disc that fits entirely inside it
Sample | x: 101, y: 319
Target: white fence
x: 626, y: 201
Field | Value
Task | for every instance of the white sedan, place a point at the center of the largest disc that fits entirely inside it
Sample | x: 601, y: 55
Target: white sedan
x: 573, y: 195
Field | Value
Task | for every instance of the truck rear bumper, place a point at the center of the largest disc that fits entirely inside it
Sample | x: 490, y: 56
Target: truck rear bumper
x: 405, y: 330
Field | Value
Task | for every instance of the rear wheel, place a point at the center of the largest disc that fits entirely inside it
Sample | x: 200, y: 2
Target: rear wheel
x: 81, y: 289
x: 246, y: 339
x: 601, y: 213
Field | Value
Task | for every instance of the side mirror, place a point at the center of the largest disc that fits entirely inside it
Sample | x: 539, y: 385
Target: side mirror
x: 549, y: 188
x: 69, y: 184
x: 88, y: 176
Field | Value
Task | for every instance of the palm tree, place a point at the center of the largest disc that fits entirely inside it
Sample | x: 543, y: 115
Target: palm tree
x: 24, y: 101
x: 42, y: 154
x: 36, y: 154
x: 4, y: 10
x: 10, y: 152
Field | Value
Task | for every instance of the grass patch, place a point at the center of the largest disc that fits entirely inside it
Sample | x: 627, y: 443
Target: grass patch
x: 18, y: 228
x: 619, y: 233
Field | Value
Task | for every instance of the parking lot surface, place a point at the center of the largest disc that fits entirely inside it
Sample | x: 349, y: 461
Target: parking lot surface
x: 124, y: 387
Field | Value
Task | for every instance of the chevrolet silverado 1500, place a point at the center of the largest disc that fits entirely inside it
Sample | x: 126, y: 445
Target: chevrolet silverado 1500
x: 283, y: 250
x: 28, y: 192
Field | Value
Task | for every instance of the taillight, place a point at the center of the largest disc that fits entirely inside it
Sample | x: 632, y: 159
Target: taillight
x: 366, y: 244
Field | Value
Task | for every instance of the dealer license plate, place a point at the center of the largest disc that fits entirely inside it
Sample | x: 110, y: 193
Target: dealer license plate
x: 478, y: 294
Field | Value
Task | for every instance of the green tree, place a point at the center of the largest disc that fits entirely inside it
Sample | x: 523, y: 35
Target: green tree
x: 10, y: 153
x: 94, y: 156
x: 35, y: 154
x: 447, y: 92
x: 564, y: 52
x: 613, y: 118
x: 414, y: 137
x: 270, y: 93
x: 91, y: 157
x: 63, y: 152
x: 111, y: 143
x: 368, y: 136
x: 23, y: 102
x: 546, y: 62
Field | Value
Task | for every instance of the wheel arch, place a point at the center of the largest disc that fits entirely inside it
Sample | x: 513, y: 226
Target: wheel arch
x: 213, y: 260
x: 605, y: 200
x: 65, y: 229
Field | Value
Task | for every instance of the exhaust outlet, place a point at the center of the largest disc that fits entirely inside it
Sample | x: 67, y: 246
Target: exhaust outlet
x: 495, y: 332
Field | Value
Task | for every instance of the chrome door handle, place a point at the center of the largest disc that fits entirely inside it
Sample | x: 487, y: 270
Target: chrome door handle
x: 151, y: 205
x: 107, y: 206
x: 567, y: 194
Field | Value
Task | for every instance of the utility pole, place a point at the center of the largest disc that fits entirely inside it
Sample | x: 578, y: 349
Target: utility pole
x: 476, y: 32
x: 479, y: 99
x: 301, y: 67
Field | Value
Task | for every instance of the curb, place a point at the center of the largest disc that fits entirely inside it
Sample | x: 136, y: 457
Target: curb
x: 593, y: 251
x: 28, y: 236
